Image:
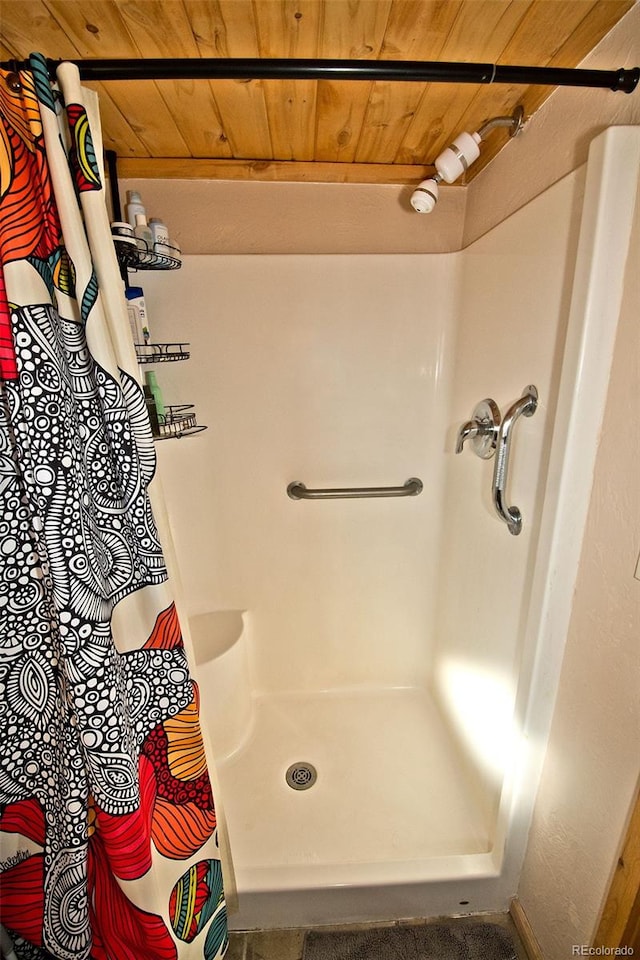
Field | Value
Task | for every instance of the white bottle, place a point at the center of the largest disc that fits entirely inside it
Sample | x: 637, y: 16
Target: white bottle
x: 174, y: 250
x: 160, y: 235
x: 138, y: 307
x: 143, y: 235
x: 135, y: 325
x: 133, y: 206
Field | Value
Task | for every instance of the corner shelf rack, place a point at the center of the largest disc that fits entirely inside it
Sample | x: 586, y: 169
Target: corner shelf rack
x: 178, y: 420
x: 161, y: 352
x: 140, y: 256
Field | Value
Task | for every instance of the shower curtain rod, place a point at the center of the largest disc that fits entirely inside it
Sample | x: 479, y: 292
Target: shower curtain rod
x: 428, y: 71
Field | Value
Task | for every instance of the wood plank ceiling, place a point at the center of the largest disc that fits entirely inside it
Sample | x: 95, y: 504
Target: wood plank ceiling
x: 355, y: 131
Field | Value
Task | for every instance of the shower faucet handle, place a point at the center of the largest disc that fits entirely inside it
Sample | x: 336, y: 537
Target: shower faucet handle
x: 466, y: 432
x: 482, y: 430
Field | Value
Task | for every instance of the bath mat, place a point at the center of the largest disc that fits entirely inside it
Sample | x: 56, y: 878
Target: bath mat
x: 432, y: 941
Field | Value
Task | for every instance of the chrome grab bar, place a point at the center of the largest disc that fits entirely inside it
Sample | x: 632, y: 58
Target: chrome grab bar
x: 526, y: 407
x: 298, y: 491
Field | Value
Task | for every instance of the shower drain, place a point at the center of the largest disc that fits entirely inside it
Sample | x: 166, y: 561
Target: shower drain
x: 301, y: 776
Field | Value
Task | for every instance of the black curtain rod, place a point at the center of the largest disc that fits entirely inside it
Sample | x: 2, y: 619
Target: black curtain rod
x: 300, y: 69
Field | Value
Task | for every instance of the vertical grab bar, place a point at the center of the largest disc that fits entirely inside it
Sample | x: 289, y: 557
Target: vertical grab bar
x: 526, y: 407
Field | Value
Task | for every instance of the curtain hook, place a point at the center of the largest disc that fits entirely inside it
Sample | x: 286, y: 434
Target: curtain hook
x: 12, y: 79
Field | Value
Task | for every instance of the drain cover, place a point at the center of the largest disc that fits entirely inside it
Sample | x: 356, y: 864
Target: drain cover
x: 301, y: 776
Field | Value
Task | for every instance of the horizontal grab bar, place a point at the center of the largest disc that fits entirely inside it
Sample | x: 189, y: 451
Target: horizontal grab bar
x: 298, y: 491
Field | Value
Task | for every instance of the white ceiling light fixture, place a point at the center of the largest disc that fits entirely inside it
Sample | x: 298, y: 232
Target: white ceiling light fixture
x: 458, y: 157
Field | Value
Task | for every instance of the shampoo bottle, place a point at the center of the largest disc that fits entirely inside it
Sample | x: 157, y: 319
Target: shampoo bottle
x: 134, y: 324
x: 136, y: 304
x: 154, y: 386
x: 142, y: 233
x: 133, y: 206
x: 152, y: 411
x: 160, y: 236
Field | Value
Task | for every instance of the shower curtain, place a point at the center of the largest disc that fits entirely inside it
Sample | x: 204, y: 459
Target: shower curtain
x: 108, y: 837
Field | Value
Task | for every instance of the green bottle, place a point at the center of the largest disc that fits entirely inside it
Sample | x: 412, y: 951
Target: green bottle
x: 154, y: 386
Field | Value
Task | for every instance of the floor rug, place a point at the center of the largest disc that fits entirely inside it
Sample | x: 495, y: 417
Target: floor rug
x: 437, y: 941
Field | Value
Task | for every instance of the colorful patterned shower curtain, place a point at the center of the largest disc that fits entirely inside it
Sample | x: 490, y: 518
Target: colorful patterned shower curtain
x: 108, y: 840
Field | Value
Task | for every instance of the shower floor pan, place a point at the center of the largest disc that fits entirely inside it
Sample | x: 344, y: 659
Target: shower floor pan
x: 391, y: 794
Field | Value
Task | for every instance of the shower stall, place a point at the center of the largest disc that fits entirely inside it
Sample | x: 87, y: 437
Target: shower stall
x: 377, y: 674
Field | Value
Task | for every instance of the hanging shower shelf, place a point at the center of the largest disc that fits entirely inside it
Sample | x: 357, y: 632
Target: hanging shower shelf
x: 178, y: 421
x: 161, y: 352
x: 139, y: 256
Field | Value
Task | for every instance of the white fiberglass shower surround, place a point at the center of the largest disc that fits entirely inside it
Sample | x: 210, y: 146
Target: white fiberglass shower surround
x: 407, y: 649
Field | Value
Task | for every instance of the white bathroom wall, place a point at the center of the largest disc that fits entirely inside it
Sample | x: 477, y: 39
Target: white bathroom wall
x: 336, y: 371
x: 328, y: 370
x: 590, y: 778
x: 293, y: 347
x: 516, y: 285
x: 220, y: 217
